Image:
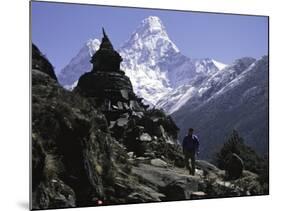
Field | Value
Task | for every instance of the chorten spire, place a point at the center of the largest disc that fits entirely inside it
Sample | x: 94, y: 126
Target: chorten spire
x: 105, y: 43
x: 103, y: 32
x: 106, y: 58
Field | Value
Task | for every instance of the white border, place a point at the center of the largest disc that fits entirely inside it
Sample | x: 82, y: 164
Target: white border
x: 14, y: 88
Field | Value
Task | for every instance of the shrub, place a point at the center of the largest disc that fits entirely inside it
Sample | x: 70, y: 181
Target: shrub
x: 252, y: 161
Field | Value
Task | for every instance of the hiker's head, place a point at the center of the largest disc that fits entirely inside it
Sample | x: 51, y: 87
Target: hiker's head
x: 190, y: 131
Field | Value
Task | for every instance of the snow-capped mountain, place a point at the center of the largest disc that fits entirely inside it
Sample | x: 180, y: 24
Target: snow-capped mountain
x: 147, y: 47
x: 79, y: 64
x: 207, y: 84
x: 234, y: 98
x: 151, y: 60
x: 204, y: 93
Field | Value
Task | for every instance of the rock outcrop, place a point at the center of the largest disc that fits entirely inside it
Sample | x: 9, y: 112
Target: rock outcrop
x: 234, y: 167
x: 142, y: 131
x: 39, y: 62
x: 75, y: 160
x: 99, y: 145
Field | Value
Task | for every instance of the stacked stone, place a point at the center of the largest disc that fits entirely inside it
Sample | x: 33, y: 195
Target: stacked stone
x: 108, y: 84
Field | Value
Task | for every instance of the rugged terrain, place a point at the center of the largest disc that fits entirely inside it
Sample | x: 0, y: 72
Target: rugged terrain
x: 212, y: 97
x: 237, y: 102
x: 86, y: 155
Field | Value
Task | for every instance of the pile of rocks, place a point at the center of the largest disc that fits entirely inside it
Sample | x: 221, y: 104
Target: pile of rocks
x: 141, y: 130
x: 99, y: 144
x: 107, y: 85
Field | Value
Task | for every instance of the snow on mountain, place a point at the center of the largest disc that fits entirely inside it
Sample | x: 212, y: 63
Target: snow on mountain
x: 219, y: 65
x: 147, y: 47
x: 71, y: 86
x: 209, y: 82
x: 226, y: 76
x: 237, y: 80
x: 93, y: 46
x: 206, y: 66
x: 204, y: 93
x: 176, y: 98
x: 154, y: 64
x: 79, y: 64
x: 237, y: 99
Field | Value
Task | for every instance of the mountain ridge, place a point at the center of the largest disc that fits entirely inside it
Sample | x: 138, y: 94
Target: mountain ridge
x: 88, y: 151
x: 167, y: 79
x: 149, y: 56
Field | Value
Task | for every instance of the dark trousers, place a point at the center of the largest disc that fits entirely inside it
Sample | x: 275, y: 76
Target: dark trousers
x: 190, y: 156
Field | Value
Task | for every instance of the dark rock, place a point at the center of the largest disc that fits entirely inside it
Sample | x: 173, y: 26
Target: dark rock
x: 101, y: 84
x: 234, y: 167
x: 100, y: 145
x: 177, y: 190
x: 41, y: 63
x: 67, y: 127
x: 53, y: 194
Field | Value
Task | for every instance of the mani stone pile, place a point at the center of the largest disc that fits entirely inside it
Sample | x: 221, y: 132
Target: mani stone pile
x: 108, y: 85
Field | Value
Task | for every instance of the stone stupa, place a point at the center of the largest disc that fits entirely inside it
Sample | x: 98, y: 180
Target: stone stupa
x: 107, y: 84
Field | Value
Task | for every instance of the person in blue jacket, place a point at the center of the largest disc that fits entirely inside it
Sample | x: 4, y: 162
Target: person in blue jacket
x: 190, y: 146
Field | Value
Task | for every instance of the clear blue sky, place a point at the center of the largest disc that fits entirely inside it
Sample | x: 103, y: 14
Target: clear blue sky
x: 60, y: 30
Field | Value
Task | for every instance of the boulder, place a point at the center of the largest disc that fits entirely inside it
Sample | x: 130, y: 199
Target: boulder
x: 198, y: 195
x: 90, y: 148
x: 180, y: 190
x: 130, y: 154
x: 120, y: 105
x: 41, y: 63
x: 124, y: 94
x: 149, y: 154
x: 121, y: 122
x: 158, y: 162
x: 234, y: 167
x: 145, y: 137
x: 174, y: 183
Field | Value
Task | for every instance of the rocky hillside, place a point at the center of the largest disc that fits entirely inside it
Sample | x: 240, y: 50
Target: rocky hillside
x: 234, y: 98
x: 205, y: 94
x: 91, y: 148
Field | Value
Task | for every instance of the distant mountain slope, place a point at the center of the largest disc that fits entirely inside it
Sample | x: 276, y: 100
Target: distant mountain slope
x: 79, y: 64
x: 241, y: 104
x: 204, y: 85
x: 201, y: 93
x: 150, y: 59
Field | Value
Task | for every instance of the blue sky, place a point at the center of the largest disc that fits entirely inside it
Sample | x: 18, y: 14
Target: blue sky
x: 60, y: 30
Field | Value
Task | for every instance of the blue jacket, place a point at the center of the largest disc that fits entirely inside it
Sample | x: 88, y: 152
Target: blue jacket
x: 190, y: 143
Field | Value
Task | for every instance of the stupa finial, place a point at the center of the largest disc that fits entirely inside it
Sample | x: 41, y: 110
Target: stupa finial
x: 106, y: 58
x: 105, y: 43
x: 103, y: 32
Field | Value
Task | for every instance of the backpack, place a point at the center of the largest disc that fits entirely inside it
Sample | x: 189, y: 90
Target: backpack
x: 190, y: 143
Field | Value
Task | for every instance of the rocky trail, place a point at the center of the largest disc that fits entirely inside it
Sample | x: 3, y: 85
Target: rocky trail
x: 100, y: 145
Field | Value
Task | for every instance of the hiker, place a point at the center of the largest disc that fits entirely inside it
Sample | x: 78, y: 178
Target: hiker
x: 190, y: 146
